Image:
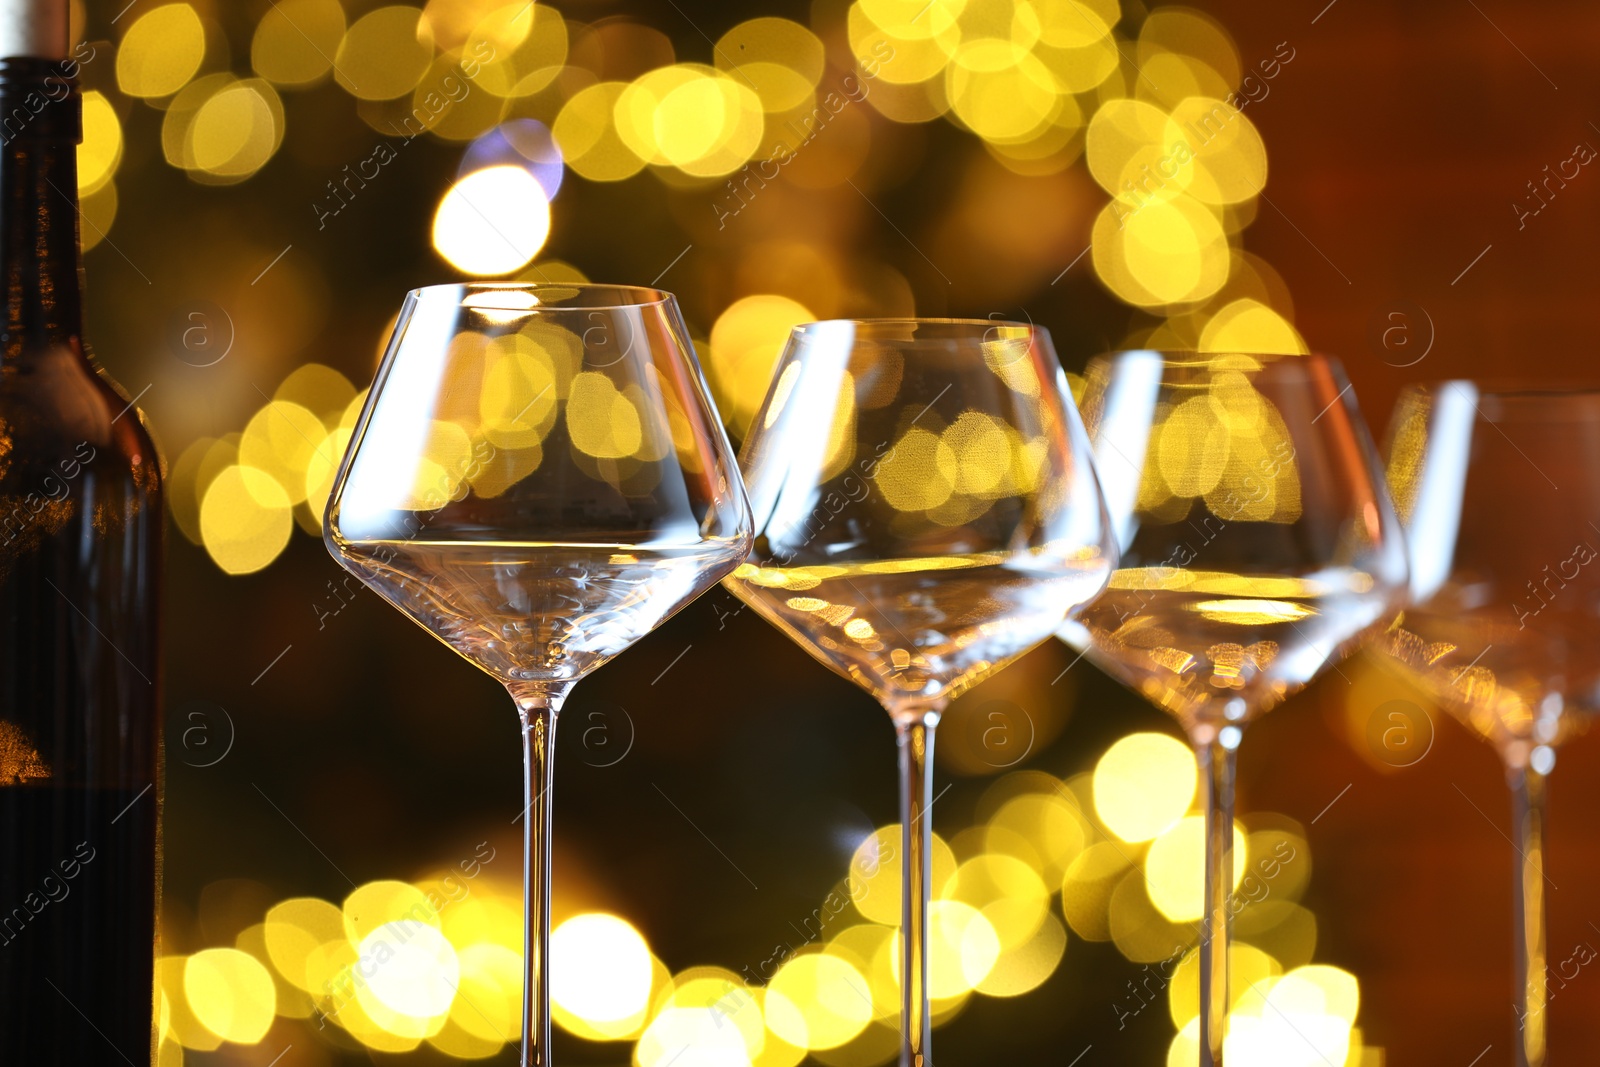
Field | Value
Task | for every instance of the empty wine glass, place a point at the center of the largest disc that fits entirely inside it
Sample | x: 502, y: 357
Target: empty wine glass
x: 1498, y: 493
x: 539, y: 480
x: 1258, y: 544
x: 926, y: 511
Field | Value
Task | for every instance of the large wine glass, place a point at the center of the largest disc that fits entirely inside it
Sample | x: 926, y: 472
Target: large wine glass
x: 1258, y: 544
x: 1500, y: 495
x: 538, y: 479
x: 926, y: 511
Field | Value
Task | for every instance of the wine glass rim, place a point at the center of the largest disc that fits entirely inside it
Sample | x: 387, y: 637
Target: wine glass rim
x: 1194, y: 357
x: 806, y: 328
x: 1513, y: 389
x: 1270, y: 366
x: 647, y: 295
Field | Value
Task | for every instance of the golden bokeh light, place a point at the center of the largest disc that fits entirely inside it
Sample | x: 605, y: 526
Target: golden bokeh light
x: 692, y: 117
x: 1022, y: 969
x: 818, y: 1000
x: 524, y: 44
x: 295, y: 41
x: 230, y: 993
x: 1174, y: 868
x: 282, y: 440
x: 1248, y: 325
x: 235, y: 131
x: 295, y: 929
x: 385, y: 53
x: 245, y: 519
x: 161, y: 51
x: 586, y: 132
x: 746, y: 341
x: 1247, y: 965
x: 98, y: 213
x: 963, y: 948
x: 101, y: 148
x: 1143, y: 785
x: 875, y: 873
x: 782, y: 60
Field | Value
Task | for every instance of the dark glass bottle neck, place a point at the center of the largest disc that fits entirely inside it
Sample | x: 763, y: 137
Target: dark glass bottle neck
x: 41, y: 124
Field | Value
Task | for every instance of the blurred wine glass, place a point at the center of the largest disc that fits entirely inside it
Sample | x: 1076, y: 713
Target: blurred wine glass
x: 539, y: 480
x: 1500, y: 495
x: 926, y: 510
x: 1258, y: 545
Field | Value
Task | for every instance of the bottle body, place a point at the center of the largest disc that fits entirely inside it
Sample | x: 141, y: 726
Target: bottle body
x: 80, y: 549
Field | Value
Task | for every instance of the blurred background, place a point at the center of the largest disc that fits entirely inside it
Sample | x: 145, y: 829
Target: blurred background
x: 263, y: 180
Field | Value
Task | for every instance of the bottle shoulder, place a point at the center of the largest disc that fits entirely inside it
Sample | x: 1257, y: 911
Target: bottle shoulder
x: 58, y: 409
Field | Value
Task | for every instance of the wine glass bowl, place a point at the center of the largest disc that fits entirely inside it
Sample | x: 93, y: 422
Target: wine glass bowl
x: 1501, y: 501
x: 926, y: 510
x: 538, y: 479
x: 1502, y: 512
x: 540, y: 485
x: 1257, y: 547
x: 925, y: 503
x: 1258, y: 544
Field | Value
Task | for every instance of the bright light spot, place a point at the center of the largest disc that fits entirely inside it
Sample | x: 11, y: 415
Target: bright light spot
x: 101, y: 148
x: 875, y: 873
x: 1046, y: 828
x: 586, y: 133
x: 161, y: 51
x: 723, y: 995
x: 1251, y: 612
x: 860, y: 629
x: 322, y: 468
x: 1143, y: 785
x: 414, y: 970
x: 181, y: 1024
x: 962, y: 949
x: 375, y: 904
x: 282, y: 439
x: 294, y: 930
x: 493, y: 221
x: 1174, y: 869
x: 818, y: 1001
x: 99, y: 211
x: 1247, y: 965
x: 714, y: 1043
x: 1027, y: 967
x: 1297, y: 1020
x: 746, y: 341
x: 319, y: 389
x: 919, y: 472
x: 488, y: 1006
x: 245, y: 519
x: 1250, y: 326
x: 601, y: 421
x: 601, y: 968
x: 1007, y: 892
x: 782, y: 59
x: 231, y: 994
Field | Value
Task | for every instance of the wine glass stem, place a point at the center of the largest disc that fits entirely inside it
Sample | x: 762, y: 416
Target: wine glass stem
x: 538, y: 707
x: 1216, y: 778
x: 915, y: 735
x: 1528, y: 804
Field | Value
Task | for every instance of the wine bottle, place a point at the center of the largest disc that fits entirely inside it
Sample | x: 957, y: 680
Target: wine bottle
x: 80, y: 552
